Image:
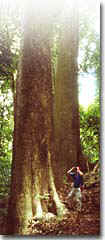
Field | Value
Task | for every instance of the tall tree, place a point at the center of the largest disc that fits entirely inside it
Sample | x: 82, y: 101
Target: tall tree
x: 66, y: 111
x: 33, y: 150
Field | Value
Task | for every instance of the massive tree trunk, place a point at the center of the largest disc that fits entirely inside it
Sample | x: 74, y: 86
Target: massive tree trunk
x: 33, y: 147
x: 66, y: 112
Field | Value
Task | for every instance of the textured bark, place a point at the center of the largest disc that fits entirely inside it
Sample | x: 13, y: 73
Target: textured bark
x: 33, y: 148
x: 66, y: 111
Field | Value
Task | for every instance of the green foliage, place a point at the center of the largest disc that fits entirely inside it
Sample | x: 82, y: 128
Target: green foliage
x: 89, y: 45
x: 90, y: 130
x: 89, y: 61
x: 6, y: 129
x: 9, y: 56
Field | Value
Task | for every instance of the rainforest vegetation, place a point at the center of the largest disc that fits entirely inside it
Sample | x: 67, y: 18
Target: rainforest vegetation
x: 44, y: 130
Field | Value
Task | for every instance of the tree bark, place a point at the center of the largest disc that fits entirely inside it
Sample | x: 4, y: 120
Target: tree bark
x: 33, y: 145
x: 66, y: 111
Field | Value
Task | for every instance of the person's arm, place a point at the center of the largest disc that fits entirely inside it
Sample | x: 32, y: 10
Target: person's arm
x: 79, y: 171
x: 70, y: 170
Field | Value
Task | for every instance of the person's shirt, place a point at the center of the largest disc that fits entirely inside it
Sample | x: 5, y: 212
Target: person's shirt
x: 77, y: 178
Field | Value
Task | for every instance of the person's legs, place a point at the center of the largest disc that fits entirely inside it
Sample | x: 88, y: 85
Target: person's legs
x: 71, y: 193
x: 71, y: 196
x: 78, y: 197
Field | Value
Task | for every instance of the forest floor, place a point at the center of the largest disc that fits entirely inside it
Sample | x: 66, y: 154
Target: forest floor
x: 89, y: 219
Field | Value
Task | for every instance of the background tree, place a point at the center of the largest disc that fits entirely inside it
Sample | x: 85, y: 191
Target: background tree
x: 89, y: 64
x: 89, y: 44
x: 8, y: 66
x: 66, y: 110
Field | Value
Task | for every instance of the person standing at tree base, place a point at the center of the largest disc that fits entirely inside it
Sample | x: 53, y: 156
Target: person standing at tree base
x: 76, y: 190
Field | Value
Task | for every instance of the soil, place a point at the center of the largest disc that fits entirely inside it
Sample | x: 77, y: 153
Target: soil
x: 88, y: 222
